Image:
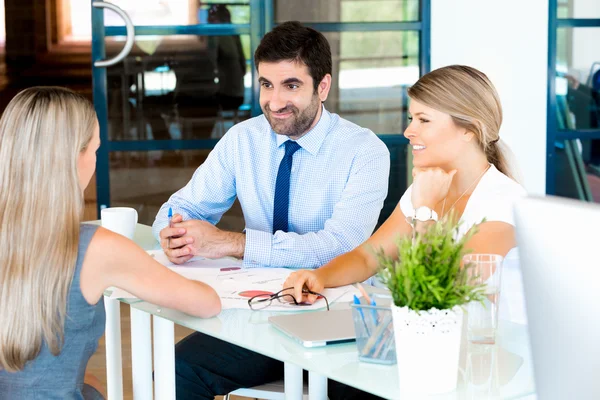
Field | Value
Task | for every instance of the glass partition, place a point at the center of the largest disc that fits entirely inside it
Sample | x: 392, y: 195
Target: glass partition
x: 146, y: 180
x: 578, y: 77
x: 180, y: 12
x: 347, y: 10
x: 190, y: 77
x: 578, y: 9
x: 178, y: 87
x: 372, y: 71
x: 573, y: 163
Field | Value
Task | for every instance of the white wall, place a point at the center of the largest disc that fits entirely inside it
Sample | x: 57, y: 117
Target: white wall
x: 508, y: 41
x: 585, y: 9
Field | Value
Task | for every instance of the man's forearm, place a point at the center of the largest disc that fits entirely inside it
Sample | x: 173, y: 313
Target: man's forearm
x: 234, y: 244
x: 212, y: 242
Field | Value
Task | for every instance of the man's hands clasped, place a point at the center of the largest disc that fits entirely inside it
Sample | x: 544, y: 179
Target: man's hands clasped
x: 199, y: 238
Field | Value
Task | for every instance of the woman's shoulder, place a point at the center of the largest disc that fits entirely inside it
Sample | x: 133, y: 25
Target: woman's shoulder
x: 87, y: 234
x: 88, y: 230
x: 500, y: 186
x: 495, y: 198
x: 103, y: 242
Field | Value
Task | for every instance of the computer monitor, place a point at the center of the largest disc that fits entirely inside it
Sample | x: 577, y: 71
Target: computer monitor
x: 559, y: 248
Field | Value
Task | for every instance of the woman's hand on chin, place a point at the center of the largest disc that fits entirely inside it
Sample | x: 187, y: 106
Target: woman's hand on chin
x: 430, y: 186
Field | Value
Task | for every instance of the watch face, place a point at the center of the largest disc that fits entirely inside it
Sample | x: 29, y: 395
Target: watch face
x: 423, y: 214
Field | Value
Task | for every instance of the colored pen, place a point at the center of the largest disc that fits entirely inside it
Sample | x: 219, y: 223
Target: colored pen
x: 369, y: 301
x: 374, y: 342
x: 362, y: 315
x: 170, y: 215
x: 387, y: 343
x: 364, y: 293
x: 374, y: 312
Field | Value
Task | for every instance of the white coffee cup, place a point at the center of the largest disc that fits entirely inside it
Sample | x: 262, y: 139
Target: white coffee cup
x: 121, y: 220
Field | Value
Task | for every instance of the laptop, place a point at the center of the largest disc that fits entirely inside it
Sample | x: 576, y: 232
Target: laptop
x: 318, y: 328
x: 559, y: 248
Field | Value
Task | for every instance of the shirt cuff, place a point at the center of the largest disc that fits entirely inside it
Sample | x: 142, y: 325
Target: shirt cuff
x: 258, y: 248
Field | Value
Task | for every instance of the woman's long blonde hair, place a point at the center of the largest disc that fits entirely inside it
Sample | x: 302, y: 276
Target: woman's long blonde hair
x: 469, y: 97
x: 42, y: 132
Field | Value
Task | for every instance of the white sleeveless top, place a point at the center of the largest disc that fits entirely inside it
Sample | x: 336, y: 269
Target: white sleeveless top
x: 493, y: 199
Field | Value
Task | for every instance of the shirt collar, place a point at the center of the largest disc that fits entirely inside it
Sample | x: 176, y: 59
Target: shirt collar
x: 314, y: 138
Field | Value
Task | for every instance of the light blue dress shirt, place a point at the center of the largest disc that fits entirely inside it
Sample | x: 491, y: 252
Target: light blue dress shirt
x: 338, y: 183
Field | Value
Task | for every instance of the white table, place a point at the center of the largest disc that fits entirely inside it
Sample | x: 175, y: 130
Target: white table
x: 501, y: 371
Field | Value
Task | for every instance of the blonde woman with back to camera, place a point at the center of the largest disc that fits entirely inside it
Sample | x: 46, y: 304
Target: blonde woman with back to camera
x: 459, y: 167
x: 53, y: 269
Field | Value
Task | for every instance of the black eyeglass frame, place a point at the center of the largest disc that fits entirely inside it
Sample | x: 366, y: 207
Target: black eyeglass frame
x: 280, y: 295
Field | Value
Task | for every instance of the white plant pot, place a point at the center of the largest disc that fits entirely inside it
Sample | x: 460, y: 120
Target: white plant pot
x: 427, y: 348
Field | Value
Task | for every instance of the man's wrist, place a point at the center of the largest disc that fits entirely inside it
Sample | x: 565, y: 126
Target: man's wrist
x: 237, y: 244
x: 321, y: 275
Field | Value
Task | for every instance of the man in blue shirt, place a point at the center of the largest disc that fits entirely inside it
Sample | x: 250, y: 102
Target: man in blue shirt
x: 311, y: 186
x: 337, y: 183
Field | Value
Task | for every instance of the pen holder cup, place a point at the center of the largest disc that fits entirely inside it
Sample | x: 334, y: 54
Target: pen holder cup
x: 374, y: 333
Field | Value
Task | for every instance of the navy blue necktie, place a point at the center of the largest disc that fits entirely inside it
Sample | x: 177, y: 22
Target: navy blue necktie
x: 282, y: 188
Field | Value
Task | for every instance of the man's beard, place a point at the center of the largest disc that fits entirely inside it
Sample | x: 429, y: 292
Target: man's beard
x: 298, y: 123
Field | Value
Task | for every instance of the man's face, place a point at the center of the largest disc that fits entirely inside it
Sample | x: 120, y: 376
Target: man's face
x: 288, y: 98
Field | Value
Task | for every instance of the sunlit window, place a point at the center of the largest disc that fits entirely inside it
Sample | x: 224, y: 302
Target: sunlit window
x: 2, y: 24
x: 141, y: 12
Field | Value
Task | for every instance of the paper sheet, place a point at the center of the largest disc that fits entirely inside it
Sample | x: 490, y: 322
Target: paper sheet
x: 196, y: 262
x: 235, y: 285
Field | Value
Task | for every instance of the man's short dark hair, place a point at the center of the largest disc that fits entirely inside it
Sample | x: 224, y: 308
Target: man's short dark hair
x: 291, y: 41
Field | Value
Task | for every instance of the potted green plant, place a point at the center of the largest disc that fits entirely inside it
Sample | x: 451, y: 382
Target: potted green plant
x: 429, y: 287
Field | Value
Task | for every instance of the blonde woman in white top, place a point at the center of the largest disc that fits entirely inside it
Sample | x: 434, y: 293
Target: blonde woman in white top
x: 459, y: 166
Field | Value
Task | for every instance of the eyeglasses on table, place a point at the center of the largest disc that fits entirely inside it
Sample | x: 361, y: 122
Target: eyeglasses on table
x: 262, y: 301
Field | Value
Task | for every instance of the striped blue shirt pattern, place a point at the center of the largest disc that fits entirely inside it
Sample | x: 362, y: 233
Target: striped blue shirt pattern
x: 338, y: 183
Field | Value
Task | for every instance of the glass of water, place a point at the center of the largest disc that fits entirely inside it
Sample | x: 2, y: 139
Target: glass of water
x: 483, y: 316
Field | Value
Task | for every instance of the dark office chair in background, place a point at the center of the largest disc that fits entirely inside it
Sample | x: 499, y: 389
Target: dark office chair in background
x: 570, y: 176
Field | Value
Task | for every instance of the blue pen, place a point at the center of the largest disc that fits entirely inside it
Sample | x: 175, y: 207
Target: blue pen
x: 362, y: 316
x: 170, y: 215
x: 374, y: 312
x: 370, y: 301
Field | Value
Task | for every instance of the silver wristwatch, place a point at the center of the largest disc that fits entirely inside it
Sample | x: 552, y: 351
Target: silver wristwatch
x: 424, y: 214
